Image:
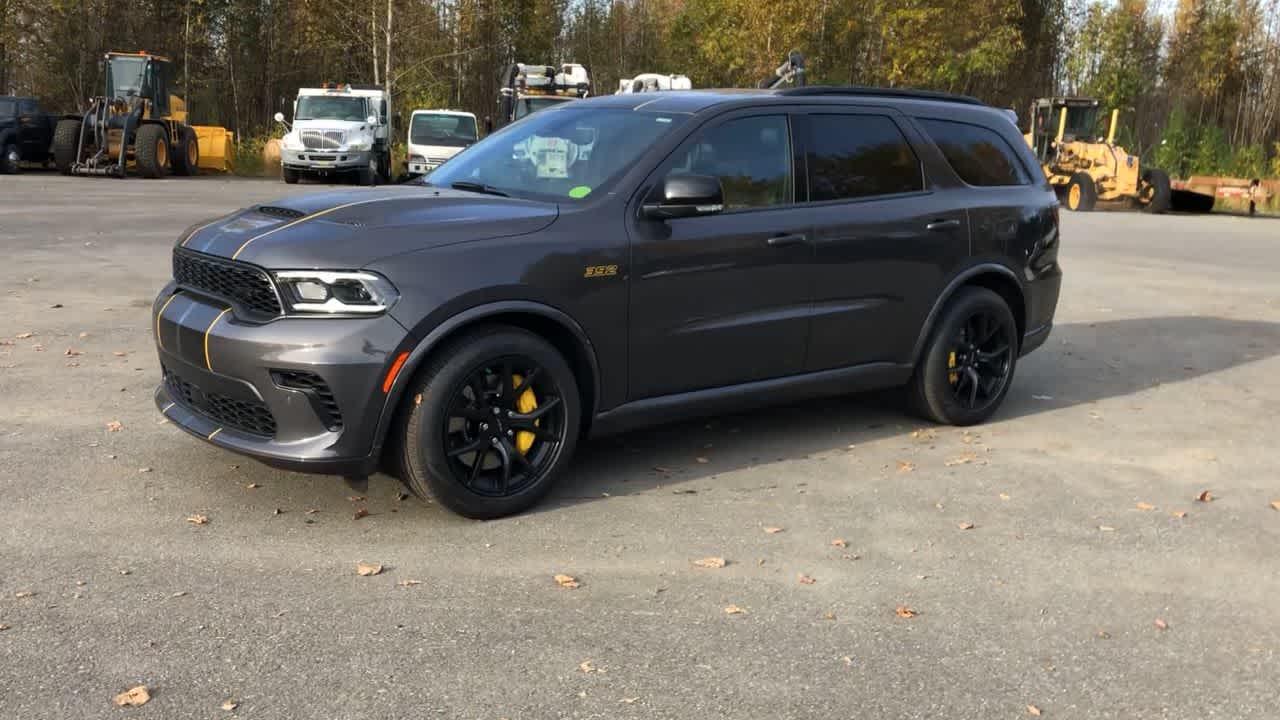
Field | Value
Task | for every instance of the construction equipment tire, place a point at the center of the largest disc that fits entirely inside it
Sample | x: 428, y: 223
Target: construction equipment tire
x: 66, y: 143
x: 1156, y: 192
x: 151, y: 151
x: 1082, y: 194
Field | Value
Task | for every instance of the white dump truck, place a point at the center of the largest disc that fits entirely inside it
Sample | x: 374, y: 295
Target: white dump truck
x: 436, y: 136
x: 338, y: 129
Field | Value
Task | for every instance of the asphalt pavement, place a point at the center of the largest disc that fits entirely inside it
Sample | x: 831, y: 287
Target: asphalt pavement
x: 1056, y: 558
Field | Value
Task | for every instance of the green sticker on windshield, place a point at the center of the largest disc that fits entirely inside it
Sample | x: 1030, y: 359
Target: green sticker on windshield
x: 579, y: 192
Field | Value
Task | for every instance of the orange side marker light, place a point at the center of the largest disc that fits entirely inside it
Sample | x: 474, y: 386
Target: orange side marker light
x: 393, y: 372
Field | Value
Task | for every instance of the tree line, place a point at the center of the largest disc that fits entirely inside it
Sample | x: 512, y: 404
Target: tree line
x: 1197, y: 83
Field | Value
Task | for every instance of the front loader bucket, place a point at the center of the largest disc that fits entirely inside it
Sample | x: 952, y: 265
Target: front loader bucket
x: 217, y: 151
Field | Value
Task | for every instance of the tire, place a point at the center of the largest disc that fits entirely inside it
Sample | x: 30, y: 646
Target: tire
x: 186, y: 153
x: 290, y: 176
x: 10, y: 159
x: 66, y: 143
x: 480, y: 466
x: 1082, y: 194
x: 151, y: 151
x: 369, y: 175
x: 1155, y: 182
x: 943, y: 383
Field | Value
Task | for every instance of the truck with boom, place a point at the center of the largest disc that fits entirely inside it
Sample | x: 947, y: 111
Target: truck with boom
x: 526, y: 89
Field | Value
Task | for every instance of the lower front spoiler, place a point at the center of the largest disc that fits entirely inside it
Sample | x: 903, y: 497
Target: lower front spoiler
x: 214, y: 434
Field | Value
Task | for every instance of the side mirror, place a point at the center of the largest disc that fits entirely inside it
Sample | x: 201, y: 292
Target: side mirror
x: 682, y: 196
x: 279, y: 117
x: 372, y: 119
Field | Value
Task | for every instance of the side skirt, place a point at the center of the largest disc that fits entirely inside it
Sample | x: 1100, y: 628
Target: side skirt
x: 761, y: 393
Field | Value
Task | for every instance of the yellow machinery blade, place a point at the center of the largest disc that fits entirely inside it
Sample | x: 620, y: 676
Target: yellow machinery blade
x: 217, y: 148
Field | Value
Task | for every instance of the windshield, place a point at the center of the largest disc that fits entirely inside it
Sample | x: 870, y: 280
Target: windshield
x: 530, y: 105
x: 331, y: 107
x: 562, y: 153
x: 442, y: 130
x: 125, y: 76
x: 8, y: 108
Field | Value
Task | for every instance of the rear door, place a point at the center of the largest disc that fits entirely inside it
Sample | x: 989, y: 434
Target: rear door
x: 885, y: 235
x: 723, y: 299
x: 32, y: 134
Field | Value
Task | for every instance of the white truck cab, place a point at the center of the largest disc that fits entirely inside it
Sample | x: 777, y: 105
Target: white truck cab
x: 338, y: 128
x: 436, y: 136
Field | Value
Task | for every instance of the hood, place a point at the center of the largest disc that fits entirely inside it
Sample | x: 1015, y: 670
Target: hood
x: 349, y: 229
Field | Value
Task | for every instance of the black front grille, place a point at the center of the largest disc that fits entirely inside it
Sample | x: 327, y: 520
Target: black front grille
x: 248, y: 416
x: 316, y: 390
x: 244, y: 285
x: 280, y: 212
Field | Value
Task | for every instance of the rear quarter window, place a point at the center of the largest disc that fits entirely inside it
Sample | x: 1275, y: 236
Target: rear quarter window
x: 978, y: 155
x: 857, y: 156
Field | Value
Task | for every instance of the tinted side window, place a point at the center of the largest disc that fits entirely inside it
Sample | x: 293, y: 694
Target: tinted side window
x: 27, y: 107
x: 853, y: 156
x: 979, y: 156
x: 752, y: 158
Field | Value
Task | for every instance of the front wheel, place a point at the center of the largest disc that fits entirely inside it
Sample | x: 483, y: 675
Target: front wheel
x: 10, y: 159
x: 1155, y: 193
x: 66, y: 145
x: 967, y: 367
x: 151, y: 151
x: 490, y: 423
x: 1082, y: 193
x: 290, y: 176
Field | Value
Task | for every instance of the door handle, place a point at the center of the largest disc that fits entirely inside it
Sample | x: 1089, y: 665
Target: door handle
x: 938, y: 225
x: 784, y: 240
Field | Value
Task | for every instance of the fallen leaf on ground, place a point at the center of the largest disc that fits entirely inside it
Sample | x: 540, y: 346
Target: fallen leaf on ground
x: 774, y: 530
x: 1004, y: 496
x: 1104, y: 635
x: 840, y: 543
x: 198, y: 519
x: 3, y: 627
x: 230, y: 705
x: 312, y: 511
x: 1275, y: 504
x: 1145, y: 507
x: 1033, y: 710
x: 25, y: 335
x: 628, y: 700
x: 24, y: 594
x: 355, y: 498
x: 1106, y: 528
x: 805, y: 579
x: 734, y: 610
x: 71, y: 353
x: 848, y: 661
x: 963, y: 459
x: 277, y: 511
x: 115, y: 426
x: 1160, y: 623
x: 586, y: 667
x: 407, y: 583
x: 567, y: 581
x: 253, y: 486
x: 701, y: 460
x: 659, y: 468
x: 1179, y: 513
x: 905, y: 466
x: 966, y: 526
x: 362, y: 512
x: 367, y: 569
x: 1205, y: 496
x: 179, y: 594
x: 144, y: 470
x: 905, y: 612
x: 710, y: 562
x: 119, y: 353
x: 133, y: 697
x: 828, y: 616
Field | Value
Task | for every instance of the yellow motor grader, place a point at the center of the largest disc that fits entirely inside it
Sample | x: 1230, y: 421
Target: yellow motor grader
x: 138, y: 123
x: 1089, y: 167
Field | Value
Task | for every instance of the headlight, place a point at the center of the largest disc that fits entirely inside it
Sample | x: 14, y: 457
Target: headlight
x: 417, y: 159
x: 324, y: 292
x: 291, y: 142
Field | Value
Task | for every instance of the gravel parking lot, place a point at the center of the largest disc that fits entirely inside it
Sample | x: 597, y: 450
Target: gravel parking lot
x: 1056, y: 561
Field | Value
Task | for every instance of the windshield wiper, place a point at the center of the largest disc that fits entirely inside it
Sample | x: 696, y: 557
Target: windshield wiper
x: 478, y: 187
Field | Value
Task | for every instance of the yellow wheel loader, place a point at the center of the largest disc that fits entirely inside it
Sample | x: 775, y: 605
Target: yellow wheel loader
x: 1087, y: 167
x: 138, y: 123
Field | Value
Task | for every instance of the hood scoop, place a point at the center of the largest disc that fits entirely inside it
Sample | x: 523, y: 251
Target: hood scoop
x: 283, y: 213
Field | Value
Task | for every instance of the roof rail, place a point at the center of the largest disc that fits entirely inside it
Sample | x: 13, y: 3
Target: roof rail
x: 906, y: 93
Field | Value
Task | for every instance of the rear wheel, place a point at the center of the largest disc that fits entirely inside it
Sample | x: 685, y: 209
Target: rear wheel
x: 186, y: 153
x: 1155, y: 192
x: 967, y: 367
x: 151, y: 151
x: 66, y: 143
x: 1082, y: 194
x: 10, y: 159
x: 490, y: 423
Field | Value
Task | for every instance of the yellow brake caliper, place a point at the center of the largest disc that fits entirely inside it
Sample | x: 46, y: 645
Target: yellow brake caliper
x: 526, y: 403
x: 953, y: 377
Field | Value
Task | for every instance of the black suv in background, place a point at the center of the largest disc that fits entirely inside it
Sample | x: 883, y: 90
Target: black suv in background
x: 609, y: 263
x: 26, y: 133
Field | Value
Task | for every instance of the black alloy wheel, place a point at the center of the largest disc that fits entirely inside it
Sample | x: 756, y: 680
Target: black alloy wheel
x: 504, y: 427
x: 968, y: 363
x: 489, y: 423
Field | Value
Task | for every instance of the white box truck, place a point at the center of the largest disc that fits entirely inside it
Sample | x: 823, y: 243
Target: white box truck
x: 436, y: 136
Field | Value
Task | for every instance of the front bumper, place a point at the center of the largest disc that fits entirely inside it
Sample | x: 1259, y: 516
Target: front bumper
x: 235, y: 383
x: 325, y: 160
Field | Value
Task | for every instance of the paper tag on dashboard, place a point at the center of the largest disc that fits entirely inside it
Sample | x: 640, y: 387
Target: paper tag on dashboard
x: 552, y: 158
